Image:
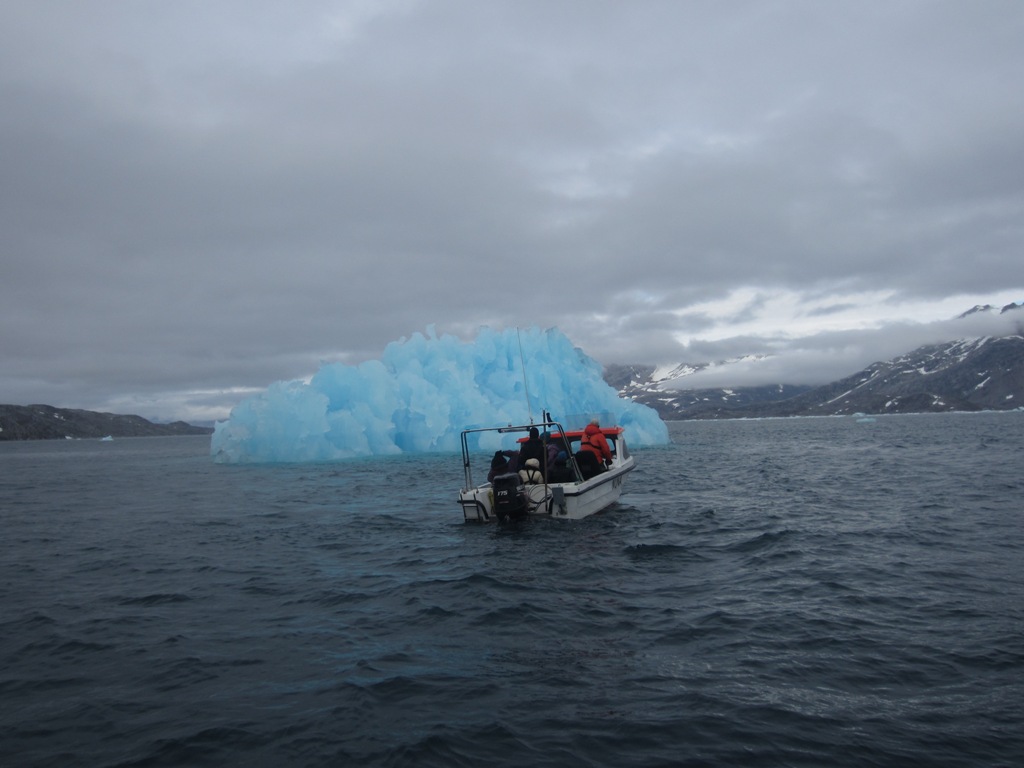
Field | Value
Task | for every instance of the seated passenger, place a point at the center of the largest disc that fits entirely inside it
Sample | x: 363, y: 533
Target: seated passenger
x: 560, y: 471
x: 502, y: 463
x: 533, y: 448
x: 595, y: 442
x: 552, y: 448
x: 531, y: 474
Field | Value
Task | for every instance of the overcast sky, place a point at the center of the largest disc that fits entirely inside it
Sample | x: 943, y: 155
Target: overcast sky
x: 200, y: 197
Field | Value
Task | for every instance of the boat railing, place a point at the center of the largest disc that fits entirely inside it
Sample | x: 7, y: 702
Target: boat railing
x: 549, y: 426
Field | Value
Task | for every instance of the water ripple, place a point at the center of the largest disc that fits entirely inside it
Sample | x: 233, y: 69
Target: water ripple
x: 800, y: 593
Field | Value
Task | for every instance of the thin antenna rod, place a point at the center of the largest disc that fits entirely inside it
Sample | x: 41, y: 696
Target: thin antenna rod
x: 526, y: 387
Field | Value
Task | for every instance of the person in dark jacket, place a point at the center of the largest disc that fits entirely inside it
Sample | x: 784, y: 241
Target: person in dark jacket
x: 533, y: 448
x: 502, y: 463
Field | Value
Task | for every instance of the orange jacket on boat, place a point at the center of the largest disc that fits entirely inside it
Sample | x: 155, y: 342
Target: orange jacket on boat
x: 594, y: 440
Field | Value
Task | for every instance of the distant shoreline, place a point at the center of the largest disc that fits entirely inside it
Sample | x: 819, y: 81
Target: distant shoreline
x: 46, y: 422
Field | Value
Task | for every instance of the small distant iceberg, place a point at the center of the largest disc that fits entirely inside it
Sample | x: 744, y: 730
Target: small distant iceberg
x: 107, y: 439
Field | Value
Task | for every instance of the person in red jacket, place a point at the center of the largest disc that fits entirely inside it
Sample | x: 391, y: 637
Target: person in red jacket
x: 595, y: 441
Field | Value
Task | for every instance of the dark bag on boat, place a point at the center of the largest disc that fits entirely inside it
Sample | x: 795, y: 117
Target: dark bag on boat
x: 509, y: 500
x: 588, y: 464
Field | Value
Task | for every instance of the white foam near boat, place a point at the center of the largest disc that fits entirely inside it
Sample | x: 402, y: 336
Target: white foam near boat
x: 571, y: 500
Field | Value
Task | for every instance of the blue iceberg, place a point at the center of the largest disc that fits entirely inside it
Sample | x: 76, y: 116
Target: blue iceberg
x: 422, y: 393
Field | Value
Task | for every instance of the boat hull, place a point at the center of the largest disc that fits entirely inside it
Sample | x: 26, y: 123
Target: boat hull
x: 567, y: 501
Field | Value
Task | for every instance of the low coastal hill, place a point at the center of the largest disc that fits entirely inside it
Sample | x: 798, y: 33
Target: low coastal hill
x: 44, y: 422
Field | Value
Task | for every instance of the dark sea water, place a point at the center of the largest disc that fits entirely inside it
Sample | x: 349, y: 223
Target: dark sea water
x: 805, y: 592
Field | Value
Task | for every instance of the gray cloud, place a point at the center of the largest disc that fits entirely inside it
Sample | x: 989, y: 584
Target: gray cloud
x: 201, y: 198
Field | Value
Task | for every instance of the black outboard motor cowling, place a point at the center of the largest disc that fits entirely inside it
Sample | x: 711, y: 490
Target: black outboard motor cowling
x: 509, y: 497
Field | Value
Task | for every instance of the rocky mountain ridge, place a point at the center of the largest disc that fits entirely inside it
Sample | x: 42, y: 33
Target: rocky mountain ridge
x: 44, y: 422
x: 967, y: 374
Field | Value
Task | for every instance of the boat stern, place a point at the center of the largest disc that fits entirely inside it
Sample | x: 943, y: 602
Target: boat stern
x: 477, y: 505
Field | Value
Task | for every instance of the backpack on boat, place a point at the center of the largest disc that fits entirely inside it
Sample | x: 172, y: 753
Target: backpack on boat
x: 509, y: 499
x: 588, y: 463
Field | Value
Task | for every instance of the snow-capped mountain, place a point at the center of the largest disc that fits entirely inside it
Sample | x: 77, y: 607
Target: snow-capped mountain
x: 644, y: 384
x: 967, y: 374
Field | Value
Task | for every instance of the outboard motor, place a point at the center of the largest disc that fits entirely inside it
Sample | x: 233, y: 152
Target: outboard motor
x: 509, y: 498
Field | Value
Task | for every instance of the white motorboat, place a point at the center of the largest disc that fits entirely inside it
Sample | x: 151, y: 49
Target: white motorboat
x: 577, y: 494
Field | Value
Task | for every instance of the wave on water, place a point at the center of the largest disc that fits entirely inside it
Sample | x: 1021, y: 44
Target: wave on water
x: 803, y: 593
